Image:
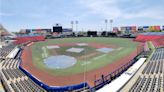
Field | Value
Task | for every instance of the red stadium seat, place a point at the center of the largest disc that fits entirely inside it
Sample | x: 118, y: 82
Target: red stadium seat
x: 157, y: 40
x: 144, y: 38
x: 20, y: 40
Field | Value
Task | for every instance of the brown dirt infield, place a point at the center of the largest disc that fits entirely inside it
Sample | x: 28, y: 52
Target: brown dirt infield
x: 53, y: 80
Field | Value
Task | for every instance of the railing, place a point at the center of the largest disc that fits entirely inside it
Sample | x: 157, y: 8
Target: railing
x: 106, y: 79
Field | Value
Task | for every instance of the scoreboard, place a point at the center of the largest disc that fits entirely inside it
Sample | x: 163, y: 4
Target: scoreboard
x: 28, y: 31
x: 57, y: 29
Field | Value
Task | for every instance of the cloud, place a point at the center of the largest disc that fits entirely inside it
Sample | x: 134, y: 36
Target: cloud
x: 27, y: 15
x: 6, y: 14
x: 33, y: 15
x: 104, y: 8
x: 151, y: 13
x: 112, y: 9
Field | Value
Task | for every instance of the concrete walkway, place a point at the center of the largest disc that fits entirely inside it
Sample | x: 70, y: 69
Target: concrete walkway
x: 127, y: 87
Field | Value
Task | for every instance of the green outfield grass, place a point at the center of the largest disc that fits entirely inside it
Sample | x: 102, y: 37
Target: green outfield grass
x: 124, y: 47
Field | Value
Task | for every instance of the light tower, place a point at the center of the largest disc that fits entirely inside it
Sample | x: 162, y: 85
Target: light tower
x: 111, y: 21
x: 72, y: 24
x: 76, y: 22
x: 106, y: 24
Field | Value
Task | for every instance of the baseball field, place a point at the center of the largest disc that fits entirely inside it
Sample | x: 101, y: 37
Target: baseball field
x: 60, y: 62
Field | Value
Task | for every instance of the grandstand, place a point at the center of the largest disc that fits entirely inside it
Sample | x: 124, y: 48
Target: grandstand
x: 157, y: 38
x: 152, y: 77
x: 158, y: 43
x: 12, y: 78
x: 6, y: 50
x: 30, y: 38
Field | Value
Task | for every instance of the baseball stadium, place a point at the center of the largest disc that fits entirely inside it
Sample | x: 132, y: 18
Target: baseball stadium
x: 81, y: 46
x: 82, y: 63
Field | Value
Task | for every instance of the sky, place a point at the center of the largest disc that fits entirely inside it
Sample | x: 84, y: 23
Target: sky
x: 91, y: 14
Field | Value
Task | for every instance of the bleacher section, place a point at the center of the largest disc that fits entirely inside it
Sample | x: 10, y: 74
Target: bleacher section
x: 12, y: 78
x: 157, y: 39
x: 20, y: 40
x: 158, y: 43
x: 6, y: 50
x: 144, y: 38
x: 152, y: 77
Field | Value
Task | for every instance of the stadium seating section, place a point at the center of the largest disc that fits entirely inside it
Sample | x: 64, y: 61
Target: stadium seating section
x: 144, y: 38
x: 20, y: 40
x: 158, y: 43
x: 6, y: 50
x: 12, y: 78
x: 152, y: 77
x: 156, y: 39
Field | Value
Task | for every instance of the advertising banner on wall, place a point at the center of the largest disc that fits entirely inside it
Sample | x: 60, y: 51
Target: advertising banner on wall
x: 41, y: 31
x: 123, y: 28
x: 146, y: 28
x: 151, y: 28
x: 154, y: 28
x: 67, y: 30
x: 128, y: 28
x: 134, y: 28
x: 157, y: 27
x: 115, y: 29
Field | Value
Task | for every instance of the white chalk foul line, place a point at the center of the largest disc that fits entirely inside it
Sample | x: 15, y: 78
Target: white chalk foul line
x: 99, y: 57
x: 86, y: 63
